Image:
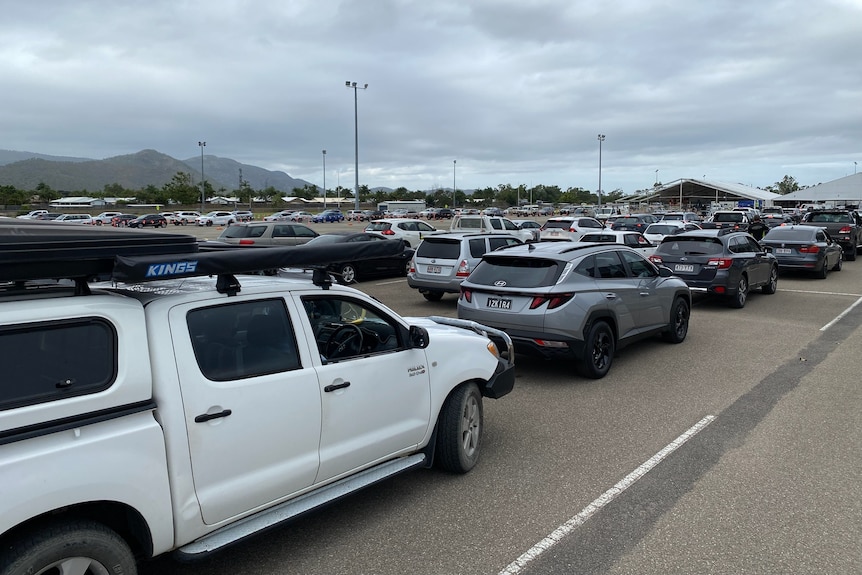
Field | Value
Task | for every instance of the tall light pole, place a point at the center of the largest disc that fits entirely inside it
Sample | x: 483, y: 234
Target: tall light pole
x: 656, y: 178
x: 356, y: 87
x: 454, y: 163
x: 324, y: 179
x: 601, y: 139
x: 203, y: 179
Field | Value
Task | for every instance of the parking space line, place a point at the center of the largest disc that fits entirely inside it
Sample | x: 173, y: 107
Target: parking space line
x: 842, y: 314
x: 805, y: 291
x: 560, y: 532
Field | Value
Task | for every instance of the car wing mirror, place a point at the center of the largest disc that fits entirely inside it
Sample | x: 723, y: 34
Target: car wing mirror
x: 664, y: 272
x: 418, y: 336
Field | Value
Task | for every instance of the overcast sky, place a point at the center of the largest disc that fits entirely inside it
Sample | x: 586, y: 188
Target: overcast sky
x: 514, y: 91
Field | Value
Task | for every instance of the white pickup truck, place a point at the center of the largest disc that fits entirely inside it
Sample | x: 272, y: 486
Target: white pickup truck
x: 489, y: 225
x: 181, y: 406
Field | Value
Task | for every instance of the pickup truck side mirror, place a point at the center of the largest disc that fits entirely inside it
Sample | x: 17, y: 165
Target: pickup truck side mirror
x: 418, y: 337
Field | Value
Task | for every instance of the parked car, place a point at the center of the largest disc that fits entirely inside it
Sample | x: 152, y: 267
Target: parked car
x: 687, y: 217
x: 658, y: 231
x: 105, y: 218
x: 217, y: 218
x: 729, y: 219
x: 244, y: 215
x: 85, y: 219
x: 722, y: 262
x: 806, y: 248
x: 634, y: 240
x: 444, y: 214
x: 267, y: 234
x: 843, y: 225
x: 47, y: 216
x: 32, y: 215
x: 580, y: 302
x: 568, y: 228
x: 299, y: 216
x: 278, y: 216
x: 348, y: 272
x: 122, y: 220
x: 185, y: 218
x: 355, y: 216
x: 442, y: 261
x: 633, y: 222
x: 153, y: 220
x: 773, y: 220
x: 428, y: 213
x: 410, y: 230
x: 533, y: 226
x: 328, y: 216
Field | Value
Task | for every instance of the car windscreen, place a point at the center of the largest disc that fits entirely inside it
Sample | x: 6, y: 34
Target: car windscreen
x: 690, y: 246
x: 445, y: 249
x: 517, y: 272
x: 783, y: 234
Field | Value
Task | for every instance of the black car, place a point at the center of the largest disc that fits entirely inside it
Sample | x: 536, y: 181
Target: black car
x: 722, y: 262
x: 444, y: 213
x: 122, y: 220
x: 806, y: 248
x: 633, y: 222
x: 350, y: 271
x: 154, y: 220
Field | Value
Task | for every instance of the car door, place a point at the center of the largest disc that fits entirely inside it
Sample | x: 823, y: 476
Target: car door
x: 375, y: 398
x: 620, y: 292
x: 251, y: 402
x: 283, y: 235
x: 653, y: 307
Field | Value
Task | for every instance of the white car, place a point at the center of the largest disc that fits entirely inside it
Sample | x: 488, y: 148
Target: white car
x: 634, y: 240
x: 656, y: 232
x: 407, y: 229
x: 278, y: 216
x: 569, y: 228
x: 32, y: 215
x: 185, y: 218
x: 217, y: 218
x: 85, y: 219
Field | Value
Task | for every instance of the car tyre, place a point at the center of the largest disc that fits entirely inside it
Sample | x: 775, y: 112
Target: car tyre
x: 598, y: 351
x: 346, y: 274
x: 772, y: 285
x: 64, y: 547
x: 850, y: 254
x: 459, y: 430
x: 738, y: 300
x: 823, y: 271
x: 433, y: 295
x: 677, y: 329
x: 209, y: 222
x: 839, y: 264
x: 406, y: 269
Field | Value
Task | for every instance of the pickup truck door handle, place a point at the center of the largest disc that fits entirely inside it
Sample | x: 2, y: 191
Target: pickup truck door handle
x: 208, y: 416
x: 336, y: 386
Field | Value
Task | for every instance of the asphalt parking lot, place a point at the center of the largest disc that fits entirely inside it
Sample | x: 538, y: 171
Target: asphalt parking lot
x: 737, y: 451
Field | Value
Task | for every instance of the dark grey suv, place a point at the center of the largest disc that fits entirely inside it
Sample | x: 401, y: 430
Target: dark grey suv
x: 576, y: 300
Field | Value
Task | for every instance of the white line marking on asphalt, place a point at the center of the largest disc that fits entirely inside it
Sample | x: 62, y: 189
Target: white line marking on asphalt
x: 840, y: 315
x: 390, y: 282
x: 560, y: 532
x: 821, y: 292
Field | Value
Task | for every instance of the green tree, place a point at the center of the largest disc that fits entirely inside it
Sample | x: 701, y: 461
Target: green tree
x: 180, y: 189
x: 45, y: 194
x: 785, y: 186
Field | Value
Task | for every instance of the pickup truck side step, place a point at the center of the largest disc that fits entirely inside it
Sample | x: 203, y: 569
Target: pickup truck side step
x: 296, y: 507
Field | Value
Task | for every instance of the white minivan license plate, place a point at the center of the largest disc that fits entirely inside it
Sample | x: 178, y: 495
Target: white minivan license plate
x: 498, y: 303
x: 683, y: 268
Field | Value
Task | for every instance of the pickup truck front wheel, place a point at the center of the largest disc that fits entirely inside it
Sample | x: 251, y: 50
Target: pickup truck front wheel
x: 459, y: 432
x: 81, y: 547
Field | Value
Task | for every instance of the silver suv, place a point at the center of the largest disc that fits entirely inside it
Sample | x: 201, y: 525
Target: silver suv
x: 442, y: 261
x: 575, y: 300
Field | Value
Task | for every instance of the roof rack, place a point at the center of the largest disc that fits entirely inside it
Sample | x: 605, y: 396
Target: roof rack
x: 44, y: 251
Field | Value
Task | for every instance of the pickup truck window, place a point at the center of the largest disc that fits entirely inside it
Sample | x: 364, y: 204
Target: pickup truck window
x: 346, y: 328
x: 56, y: 360
x: 243, y: 340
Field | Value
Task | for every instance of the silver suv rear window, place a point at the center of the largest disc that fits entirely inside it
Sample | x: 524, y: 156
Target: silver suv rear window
x: 517, y: 272
x: 446, y: 249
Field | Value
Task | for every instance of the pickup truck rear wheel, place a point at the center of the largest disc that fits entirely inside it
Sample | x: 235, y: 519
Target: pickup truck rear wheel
x: 850, y: 254
x: 84, y: 547
x: 459, y: 430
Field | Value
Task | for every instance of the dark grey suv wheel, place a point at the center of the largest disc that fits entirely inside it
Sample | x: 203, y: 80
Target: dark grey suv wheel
x: 598, y: 351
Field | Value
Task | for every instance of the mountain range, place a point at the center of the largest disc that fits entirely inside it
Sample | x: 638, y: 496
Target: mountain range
x: 26, y: 170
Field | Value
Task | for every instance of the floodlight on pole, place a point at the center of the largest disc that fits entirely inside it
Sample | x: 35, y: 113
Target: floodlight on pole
x: 599, y: 194
x: 203, y: 179
x: 356, y: 87
x: 324, y: 179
